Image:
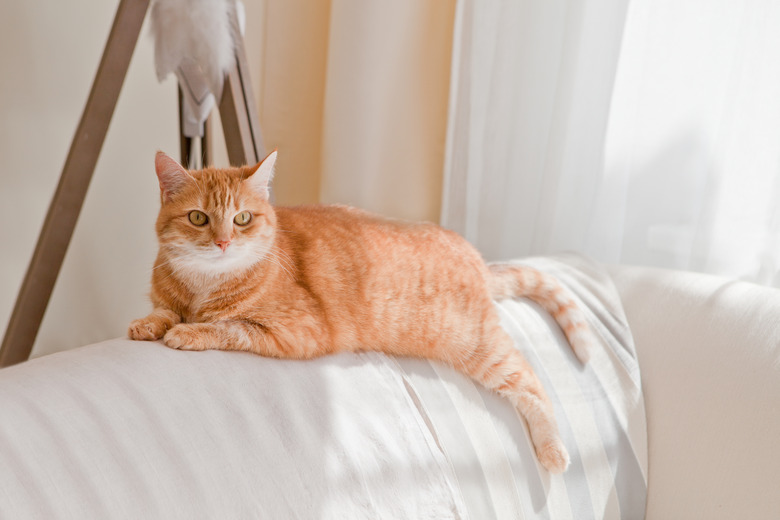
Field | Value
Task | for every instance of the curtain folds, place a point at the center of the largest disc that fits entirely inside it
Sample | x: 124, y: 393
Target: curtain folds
x: 531, y: 90
x: 643, y: 132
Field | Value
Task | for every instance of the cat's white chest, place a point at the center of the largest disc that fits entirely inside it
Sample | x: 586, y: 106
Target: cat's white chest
x: 202, y: 289
x: 197, y: 303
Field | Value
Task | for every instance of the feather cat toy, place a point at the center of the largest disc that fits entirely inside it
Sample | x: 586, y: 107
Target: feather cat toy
x: 194, y: 39
x: 235, y: 273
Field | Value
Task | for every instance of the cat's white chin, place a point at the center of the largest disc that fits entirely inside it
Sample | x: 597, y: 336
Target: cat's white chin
x: 214, y: 262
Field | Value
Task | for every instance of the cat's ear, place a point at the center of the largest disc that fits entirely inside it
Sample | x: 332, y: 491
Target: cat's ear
x: 171, y: 174
x: 259, y: 176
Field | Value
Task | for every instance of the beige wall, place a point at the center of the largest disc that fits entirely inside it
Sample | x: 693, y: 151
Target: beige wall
x: 384, y: 154
x: 293, y: 50
x: 386, y: 105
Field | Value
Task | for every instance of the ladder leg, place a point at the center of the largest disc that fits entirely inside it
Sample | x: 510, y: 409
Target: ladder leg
x: 185, y: 143
x: 69, y: 197
x: 238, y: 112
x: 206, y: 151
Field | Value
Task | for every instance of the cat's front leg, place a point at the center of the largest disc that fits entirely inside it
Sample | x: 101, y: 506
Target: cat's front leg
x: 292, y: 343
x: 196, y: 336
x: 154, y: 326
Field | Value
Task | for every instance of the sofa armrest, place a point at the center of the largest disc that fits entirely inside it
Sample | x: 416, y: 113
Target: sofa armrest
x: 709, y: 352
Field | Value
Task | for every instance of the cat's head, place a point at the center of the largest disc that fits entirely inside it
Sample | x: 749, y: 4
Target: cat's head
x: 214, y: 221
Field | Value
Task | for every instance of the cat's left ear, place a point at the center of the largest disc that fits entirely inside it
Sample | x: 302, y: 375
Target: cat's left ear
x: 260, y: 175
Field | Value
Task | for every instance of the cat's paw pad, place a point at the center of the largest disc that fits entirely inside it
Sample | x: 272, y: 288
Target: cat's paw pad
x: 184, y: 337
x: 146, y: 329
x: 554, y: 457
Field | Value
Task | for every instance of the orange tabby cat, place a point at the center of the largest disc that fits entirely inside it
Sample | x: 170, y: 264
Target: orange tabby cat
x: 235, y: 273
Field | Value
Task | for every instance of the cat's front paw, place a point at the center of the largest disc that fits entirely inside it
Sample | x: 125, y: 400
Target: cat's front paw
x: 187, y: 337
x: 150, y: 328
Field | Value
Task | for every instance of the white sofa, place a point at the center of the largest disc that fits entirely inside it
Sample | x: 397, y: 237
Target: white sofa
x: 135, y: 430
x: 709, y: 351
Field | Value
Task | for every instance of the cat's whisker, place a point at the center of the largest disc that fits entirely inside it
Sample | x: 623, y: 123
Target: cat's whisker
x: 283, y: 256
x: 201, y: 191
x: 273, y: 258
x: 162, y: 264
x: 164, y: 278
x: 197, y: 184
x: 289, y: 264
x: 282, y: 268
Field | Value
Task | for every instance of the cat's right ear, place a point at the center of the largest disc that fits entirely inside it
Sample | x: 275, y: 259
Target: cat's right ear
x: 171, y: 174
x: 260, y: 175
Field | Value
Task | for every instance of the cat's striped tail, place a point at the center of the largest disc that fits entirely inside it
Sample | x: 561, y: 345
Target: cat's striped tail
x: 511, y: 280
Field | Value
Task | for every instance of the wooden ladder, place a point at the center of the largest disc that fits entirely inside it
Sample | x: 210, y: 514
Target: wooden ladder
x: 240, y: 124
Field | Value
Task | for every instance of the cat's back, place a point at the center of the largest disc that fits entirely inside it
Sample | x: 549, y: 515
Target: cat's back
x: 351, y: 230
x: 309, y: 217
x: 355, y: 247
x: 403, y: 282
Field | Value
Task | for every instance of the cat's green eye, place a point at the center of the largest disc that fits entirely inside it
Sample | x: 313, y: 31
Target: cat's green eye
x: 198, y: 218
x: 243, y: 218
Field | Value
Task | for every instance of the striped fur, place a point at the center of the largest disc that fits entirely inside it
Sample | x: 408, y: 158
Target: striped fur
x: 509, y: 281
x: 307, y: 281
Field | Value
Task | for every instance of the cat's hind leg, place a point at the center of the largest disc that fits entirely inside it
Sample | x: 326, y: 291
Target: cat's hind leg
x: 499, y: 366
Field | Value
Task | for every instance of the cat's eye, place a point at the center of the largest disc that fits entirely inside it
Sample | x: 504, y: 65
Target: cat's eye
x: 243, y: 218
x: 198, y: 218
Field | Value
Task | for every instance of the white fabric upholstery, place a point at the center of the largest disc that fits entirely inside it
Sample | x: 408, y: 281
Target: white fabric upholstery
x: 709, y: 350
x: 599, y: 408
x: 128, y: 429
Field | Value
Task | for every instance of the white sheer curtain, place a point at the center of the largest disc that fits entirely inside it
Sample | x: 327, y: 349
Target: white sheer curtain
x: 644, y: 132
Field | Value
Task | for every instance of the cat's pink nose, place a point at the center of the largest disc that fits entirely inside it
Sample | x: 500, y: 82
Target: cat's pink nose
x: 223, y: 244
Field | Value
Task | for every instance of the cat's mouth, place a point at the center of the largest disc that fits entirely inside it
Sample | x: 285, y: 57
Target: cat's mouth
x: 216, y: 255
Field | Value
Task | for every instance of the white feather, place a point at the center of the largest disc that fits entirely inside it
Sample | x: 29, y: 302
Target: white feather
x: 197, y: 30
